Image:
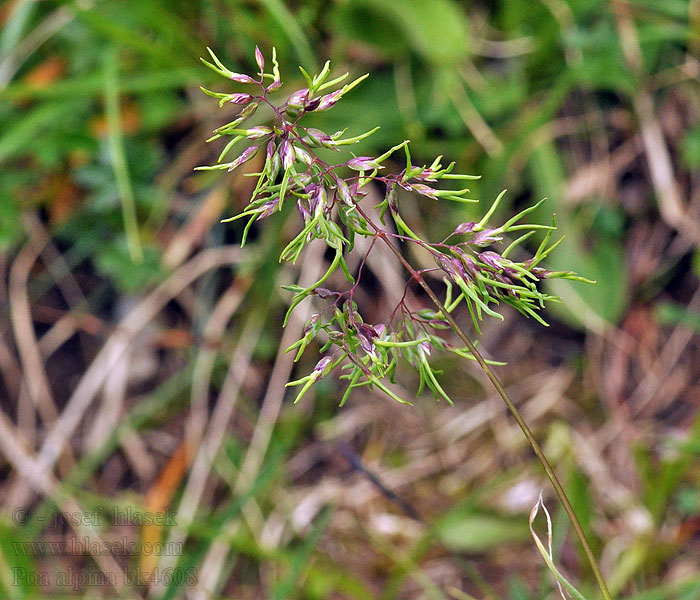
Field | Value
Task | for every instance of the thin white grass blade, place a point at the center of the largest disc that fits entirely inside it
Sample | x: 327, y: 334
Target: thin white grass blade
x: 548, y: 556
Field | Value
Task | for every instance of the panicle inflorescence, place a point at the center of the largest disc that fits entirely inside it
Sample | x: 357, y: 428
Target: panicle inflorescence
x: 327, y: 195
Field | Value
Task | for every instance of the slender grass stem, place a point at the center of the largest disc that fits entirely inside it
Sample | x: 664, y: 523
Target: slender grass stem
x: 558, y: 488
x: 118, y: 156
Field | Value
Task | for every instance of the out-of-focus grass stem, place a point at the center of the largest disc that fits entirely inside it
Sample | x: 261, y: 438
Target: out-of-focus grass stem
x: 118, y: 155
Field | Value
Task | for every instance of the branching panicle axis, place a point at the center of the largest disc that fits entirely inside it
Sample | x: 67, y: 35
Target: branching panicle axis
x: 328, y: 196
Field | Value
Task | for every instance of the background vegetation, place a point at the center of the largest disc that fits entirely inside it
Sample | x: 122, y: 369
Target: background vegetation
x: 141, y: 352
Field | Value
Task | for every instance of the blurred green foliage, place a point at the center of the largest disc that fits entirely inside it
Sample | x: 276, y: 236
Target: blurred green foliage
x: 522, y: 92
x: 479, y: 83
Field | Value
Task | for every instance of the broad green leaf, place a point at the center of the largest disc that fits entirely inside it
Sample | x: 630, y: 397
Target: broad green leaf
x: 437, y: 30
x: 19, y: 573
x: 471, y: 531
x: 591, y: 254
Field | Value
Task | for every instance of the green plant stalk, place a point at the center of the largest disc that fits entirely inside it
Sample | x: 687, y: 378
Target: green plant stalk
x: 118, y: 156
x: 558, y: 488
